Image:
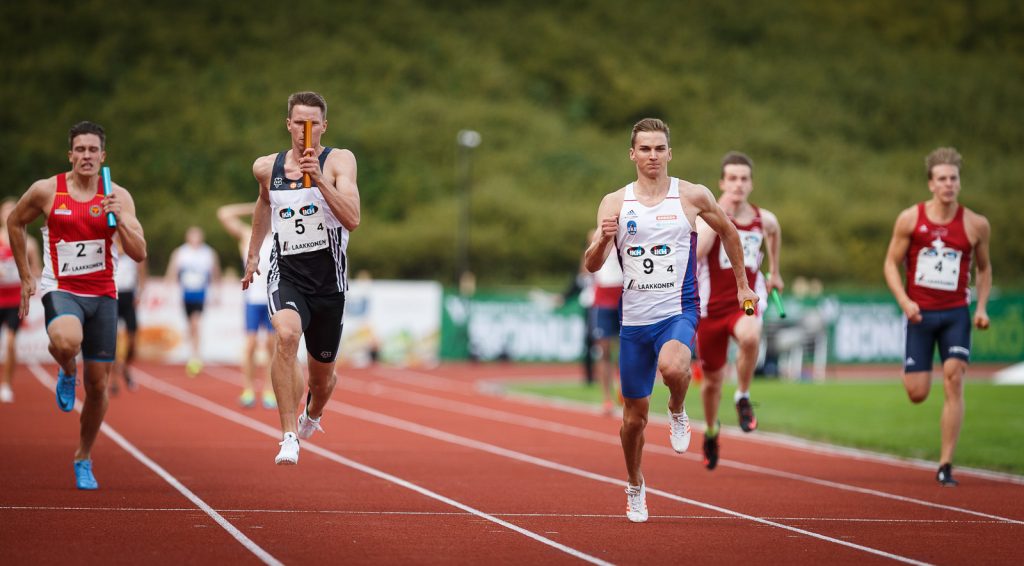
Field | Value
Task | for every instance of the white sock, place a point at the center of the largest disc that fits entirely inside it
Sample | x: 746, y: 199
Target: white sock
x: 740, y: 395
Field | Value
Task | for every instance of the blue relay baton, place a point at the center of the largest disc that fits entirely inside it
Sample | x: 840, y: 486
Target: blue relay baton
x: 107, y: 189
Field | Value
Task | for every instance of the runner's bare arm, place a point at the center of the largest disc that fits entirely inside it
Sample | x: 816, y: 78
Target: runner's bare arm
x: 708, y: 210
x: 894, y: 257
x: 129, y: 229
x: 604, y: 237
x: 33, y: 204
x: 773, y: 247
x: 340, y: 189
x: 261, y: 169
x: 982, y: 269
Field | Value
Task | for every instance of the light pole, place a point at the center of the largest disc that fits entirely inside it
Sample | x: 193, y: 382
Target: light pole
x: 467, y: 141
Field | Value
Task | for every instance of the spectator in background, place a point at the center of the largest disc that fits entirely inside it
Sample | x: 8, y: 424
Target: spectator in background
x: 937, y: 240
x: 196, y: 268
x: 257, y: 313
x: 130, y: 277
x: 10, y: 297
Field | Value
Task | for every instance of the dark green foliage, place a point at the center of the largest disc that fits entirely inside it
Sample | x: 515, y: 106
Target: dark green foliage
x: 837, y: 103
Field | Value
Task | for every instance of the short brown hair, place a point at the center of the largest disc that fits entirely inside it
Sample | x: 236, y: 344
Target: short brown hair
x: 943, y: 156
x: 650, y: 125
x: 86, y: 127
x: 307, y: 98
x: 737, y: 158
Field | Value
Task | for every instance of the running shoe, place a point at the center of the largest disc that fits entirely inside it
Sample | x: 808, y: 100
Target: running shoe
x: 945, y: 476
x: 83, y: 475
x: 308, y: 425
x: 679, y: 431
x: 6, y: 394
x: 193, y: 367
x: 269, y: 400
x: 636, y: 503
x: 289, y: 454
x: 711, y: 451
x: 65, y: 391
x: 248, y: 399
x: 748, y: 422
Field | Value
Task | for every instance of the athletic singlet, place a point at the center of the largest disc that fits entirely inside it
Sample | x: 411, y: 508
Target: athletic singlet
x: 195, y: 270
x: 256, y: 292
x: 126, y: 276
x: 608, y: 284
x: 721, y: 298
x: 938, y: 262
x: 656, y: 247
x: 77, y: 245
x: 10, y: 281
x: 309, y: 241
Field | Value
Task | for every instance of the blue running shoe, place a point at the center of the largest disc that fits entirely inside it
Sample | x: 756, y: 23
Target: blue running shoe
x: 83, y: 475
x: 65, y: 391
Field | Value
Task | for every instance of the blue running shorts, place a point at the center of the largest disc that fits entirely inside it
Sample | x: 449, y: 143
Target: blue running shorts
x: 950, y: 329
x: 639, y: 348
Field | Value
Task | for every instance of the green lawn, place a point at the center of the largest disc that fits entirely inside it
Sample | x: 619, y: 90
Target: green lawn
x: 874, y: 415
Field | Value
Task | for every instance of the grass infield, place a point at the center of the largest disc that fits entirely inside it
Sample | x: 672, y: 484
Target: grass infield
x: 873, y: 415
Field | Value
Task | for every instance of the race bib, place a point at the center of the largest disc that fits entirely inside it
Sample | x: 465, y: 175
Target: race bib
x: 80, y: 258
x: 302, y: 230
x: 193, y: 280
x: 938, y: 268
x: 751, y: 242
x: 9, y: 273
x: 650, y: 268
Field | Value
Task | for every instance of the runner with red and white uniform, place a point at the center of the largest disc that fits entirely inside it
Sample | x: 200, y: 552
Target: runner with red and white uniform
x: 936, y: 241
x: 78, y: 291
x: 10, y: 298
x: 759, y: 230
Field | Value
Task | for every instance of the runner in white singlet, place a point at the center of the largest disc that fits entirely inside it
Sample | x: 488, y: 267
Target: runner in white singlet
x: 650, y: 224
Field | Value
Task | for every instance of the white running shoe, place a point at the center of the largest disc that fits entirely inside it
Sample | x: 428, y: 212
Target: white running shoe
x: 289, y: 454
x: 679, y: 431
x: 636, y: 503
x: 308, y: 425
x: 6, y: 394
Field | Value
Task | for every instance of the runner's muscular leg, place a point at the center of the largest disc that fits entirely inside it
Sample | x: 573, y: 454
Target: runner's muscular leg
x: 322, y: 380
x: 674, y: 366
x: 917, y: 384
x: 65, y: 341
x: 94, y: 408
x: 284, y: 374
x: 953, y: 370
x: 634, y: 421
x: 711, y: 394
x: 747, y: 333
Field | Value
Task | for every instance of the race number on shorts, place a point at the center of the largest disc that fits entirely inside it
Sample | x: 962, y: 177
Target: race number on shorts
x: 80, y: 258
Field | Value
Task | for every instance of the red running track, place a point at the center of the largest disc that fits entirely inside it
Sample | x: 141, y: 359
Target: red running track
x: 436, y: 467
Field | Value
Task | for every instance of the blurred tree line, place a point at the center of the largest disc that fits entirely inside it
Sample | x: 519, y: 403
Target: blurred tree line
x: 837, y: 103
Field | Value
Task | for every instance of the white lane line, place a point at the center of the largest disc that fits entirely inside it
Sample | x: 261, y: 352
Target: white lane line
x: 127, y: 446
x: 238, y: 418
x: 617, y: 517
x: 415, y: 428
x: 396, y: 394
x: 496, y: 387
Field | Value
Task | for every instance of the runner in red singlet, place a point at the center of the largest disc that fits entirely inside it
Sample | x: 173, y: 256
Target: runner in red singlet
x: 936, y: 240
x: 10, y: 298
x: 758, y: 228
x: 78, y: 291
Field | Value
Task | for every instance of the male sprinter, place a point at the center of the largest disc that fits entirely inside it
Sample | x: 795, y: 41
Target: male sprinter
x: 936, y: 241
x: 79, y: 294
x: 308, y: 266
x: 757, y: 227
x: 650, y: 223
